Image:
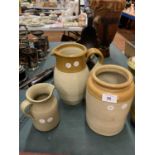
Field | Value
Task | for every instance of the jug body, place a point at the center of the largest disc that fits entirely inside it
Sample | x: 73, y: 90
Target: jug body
x: 109, y: 95
x: 71, y: 86
x: 43, y: 107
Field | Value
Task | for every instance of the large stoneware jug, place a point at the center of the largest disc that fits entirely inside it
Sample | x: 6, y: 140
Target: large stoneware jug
x: 42, y: 105
x: 109, y: 95
x: 71, y: 71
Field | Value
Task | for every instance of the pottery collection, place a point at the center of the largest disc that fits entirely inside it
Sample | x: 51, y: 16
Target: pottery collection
x: 108, y: 90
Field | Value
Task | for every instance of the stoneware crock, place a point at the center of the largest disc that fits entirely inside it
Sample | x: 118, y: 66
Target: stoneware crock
x: 109, y: 95
x: 71, y: 71
x: 41, y: 106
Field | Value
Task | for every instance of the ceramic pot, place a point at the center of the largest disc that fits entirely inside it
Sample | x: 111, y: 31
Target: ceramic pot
x: 109, y: 95
x: 71, y: 71
x: 106, y: 18
x: 42, y: 105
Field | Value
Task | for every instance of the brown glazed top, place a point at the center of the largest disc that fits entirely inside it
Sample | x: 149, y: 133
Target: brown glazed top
x: 123, y: 90
x: 70, y: 57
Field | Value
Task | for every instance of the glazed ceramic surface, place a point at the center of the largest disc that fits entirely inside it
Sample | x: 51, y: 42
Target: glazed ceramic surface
x: 109, y: 95
x: 71, y: 72
x: 42, y: 105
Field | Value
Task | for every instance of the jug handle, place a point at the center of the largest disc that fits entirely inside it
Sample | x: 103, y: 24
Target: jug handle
x: 24, y: 105
x: 92, y: 51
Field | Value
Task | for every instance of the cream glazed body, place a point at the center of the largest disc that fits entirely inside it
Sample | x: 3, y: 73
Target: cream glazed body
x: 71, y: 87
x: 104, y: 118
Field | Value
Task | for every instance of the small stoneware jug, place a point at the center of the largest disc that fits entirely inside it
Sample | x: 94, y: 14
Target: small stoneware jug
x: 71, y: 71
x: 42, y: 105
x: 109, y: 96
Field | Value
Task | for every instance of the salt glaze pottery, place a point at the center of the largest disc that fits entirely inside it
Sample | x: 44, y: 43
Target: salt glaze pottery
x: 71, y: 72
x: 42, y: 105
x: 109, y: 95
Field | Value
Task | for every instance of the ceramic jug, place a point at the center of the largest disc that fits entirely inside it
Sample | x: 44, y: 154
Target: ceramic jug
x: 42, y: 105
x: 71, y: 71
x: 109, y: 96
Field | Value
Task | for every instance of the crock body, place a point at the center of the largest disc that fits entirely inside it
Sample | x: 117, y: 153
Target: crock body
x: 108, y: 107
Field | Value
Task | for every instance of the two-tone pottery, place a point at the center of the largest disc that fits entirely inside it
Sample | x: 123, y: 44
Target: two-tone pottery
x: 109, y: 96
x: 71, y: 71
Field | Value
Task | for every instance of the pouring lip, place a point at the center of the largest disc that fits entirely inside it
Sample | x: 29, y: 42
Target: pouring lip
x: 113, y: 68
x: 41, y: 100
x: 57, y: 49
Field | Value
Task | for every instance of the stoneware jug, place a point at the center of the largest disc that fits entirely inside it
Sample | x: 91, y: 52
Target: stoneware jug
x: 109, y: 95
x: 71, y: 71
x: 42, y: 105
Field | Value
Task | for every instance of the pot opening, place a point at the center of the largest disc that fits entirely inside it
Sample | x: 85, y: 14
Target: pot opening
x: 71, y: 51
x: 40, y: 97
x: 112, y: 77
x: 39, y: 94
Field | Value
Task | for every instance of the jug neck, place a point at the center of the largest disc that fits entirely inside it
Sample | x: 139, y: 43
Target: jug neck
x: 70, y: 57
x: 71, y: 65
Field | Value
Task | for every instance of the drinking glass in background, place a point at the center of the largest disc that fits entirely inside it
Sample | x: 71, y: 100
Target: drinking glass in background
x: 23, y: 60
x: 42, y: 45
x: 31, y: 57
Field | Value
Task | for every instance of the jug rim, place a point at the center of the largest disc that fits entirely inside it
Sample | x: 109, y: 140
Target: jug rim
x: 57, y: 52
x: 28, y: 92
x: 115, y: 69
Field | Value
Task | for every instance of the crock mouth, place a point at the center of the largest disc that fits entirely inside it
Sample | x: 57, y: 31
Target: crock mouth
x: 116, y: 70
x: 70, y: 50
x: 38, y: 90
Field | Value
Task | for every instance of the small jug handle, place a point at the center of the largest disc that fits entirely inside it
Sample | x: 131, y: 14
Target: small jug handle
x: 92, y: 51
x: 24, y: 105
